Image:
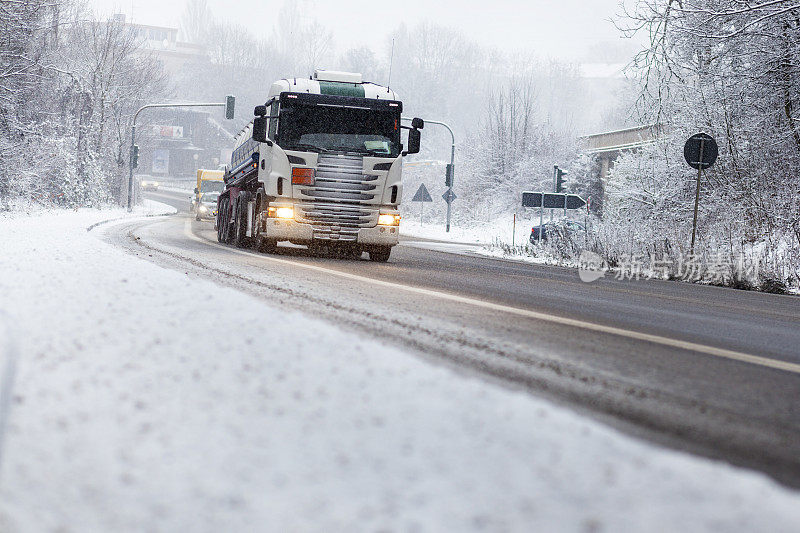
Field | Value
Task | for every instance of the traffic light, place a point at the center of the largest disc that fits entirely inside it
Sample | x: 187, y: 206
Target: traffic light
x: 134, y: 156
x: 230, y: 103
x: 560, y: 179
x: 448, y: 176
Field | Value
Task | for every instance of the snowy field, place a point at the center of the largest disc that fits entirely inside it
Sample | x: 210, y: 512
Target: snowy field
x: 128, y: 414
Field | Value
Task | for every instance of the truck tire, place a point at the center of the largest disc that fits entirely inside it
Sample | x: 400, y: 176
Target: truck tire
x: 240, y: 239
x: 222, y: 210
x: 227, y: 233
x: 380, y: 254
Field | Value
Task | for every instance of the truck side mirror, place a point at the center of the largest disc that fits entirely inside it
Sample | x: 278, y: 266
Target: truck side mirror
x: 414, y: 138
x: 196, y: 190
x: 260, y: 110
x: 260, y: 129
x: 417, y: 123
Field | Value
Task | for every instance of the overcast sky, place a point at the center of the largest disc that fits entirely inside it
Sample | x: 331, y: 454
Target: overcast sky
x: 562, y: 29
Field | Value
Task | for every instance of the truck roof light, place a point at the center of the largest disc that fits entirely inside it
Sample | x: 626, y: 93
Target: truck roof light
x: 338, y: 76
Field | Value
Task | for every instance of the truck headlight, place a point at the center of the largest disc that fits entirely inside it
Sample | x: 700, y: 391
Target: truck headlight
x: 203, y: 209
x: 389, y: 220
x: 280, y: 212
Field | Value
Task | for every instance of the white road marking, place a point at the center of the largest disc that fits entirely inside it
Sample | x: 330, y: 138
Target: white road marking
x: 452, y: 247
x: 646, y: 337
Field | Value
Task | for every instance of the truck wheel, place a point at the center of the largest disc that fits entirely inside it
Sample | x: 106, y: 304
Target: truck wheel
x: 221, y: 224
x: 380, y: 254
x: 240, y: 223
x: 227, y: 232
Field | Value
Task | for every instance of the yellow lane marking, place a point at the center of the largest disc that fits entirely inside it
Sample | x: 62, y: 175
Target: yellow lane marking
x: 536, y: 315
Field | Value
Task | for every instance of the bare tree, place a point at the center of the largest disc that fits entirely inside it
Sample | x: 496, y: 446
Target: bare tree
x: 195, y: 21
x: 730, y: 68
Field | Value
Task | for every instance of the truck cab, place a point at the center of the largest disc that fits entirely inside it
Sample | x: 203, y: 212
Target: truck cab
x: 321, y: 164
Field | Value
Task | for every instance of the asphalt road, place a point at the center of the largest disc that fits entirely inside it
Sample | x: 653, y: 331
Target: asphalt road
x: 708, y: 370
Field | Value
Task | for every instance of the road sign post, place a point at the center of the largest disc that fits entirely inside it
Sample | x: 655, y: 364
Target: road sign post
x: 228, y: 104
x: 700, y: 152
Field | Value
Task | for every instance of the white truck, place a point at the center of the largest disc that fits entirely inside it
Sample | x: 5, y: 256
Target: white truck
x: 319, y: 165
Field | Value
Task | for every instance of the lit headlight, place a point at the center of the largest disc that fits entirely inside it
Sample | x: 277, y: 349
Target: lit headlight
x: 389, y: 220
x: 203, y: 209
x: 280, y: 212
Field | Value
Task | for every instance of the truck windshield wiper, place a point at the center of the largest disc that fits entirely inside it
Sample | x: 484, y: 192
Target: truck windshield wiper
x: 312, y: 147
x: 378, y: 151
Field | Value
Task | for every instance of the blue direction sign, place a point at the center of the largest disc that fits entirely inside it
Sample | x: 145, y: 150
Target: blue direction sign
x: 422, y: 195
x: 449, y: 196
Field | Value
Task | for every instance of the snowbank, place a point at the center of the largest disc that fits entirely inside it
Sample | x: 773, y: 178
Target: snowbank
x: 130, y: 413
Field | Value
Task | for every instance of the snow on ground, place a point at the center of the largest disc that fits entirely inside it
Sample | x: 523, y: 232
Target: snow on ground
x: 491, y: 239
x: 134, y: 411
x: 500, y: 230
x: 476, y: 233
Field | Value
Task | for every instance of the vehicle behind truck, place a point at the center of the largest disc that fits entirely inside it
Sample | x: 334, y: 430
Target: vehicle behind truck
x: 319, y: 165
x: 209, y: 185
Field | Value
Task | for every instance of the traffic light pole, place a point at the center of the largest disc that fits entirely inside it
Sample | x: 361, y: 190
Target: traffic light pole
x: 228, y: 104
x: 452, y: 174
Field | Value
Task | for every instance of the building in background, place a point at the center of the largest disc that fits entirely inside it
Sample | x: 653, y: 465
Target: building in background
x: 174, y: 143
x: 162, y: 43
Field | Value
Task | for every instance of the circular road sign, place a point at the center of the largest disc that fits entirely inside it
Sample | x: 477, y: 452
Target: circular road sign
x: 700, y: 159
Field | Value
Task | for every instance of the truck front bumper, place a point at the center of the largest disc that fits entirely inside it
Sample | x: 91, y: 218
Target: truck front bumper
x: 301, y: 233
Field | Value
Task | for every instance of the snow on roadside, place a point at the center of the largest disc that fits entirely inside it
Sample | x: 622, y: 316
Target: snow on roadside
x: 476, y: 233
x: 133, y: 411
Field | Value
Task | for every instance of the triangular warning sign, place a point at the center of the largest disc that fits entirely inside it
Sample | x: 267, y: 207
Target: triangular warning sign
x: 422, y: 195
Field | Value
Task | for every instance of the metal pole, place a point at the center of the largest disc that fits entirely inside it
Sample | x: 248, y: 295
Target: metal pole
x: 555, y: 187
x: 130, y: 164
x: 514, y: 232
x: 586, y: 223
x: 541, y: 219
x: 555, y: 178
x: 449, y: 204
x: 697, y: 191
x: 133, y: 138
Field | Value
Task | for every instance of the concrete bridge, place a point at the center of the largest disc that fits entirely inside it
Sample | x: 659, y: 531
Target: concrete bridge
x: 607, y: 146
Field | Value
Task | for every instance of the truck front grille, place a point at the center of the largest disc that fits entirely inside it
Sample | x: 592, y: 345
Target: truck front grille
x: 341, y: 200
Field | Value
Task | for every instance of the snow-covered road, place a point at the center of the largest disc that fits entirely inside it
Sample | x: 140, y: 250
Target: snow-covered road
x: 131, y: 412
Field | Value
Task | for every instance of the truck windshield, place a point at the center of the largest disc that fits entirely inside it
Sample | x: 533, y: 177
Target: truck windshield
x: 323, y: 128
